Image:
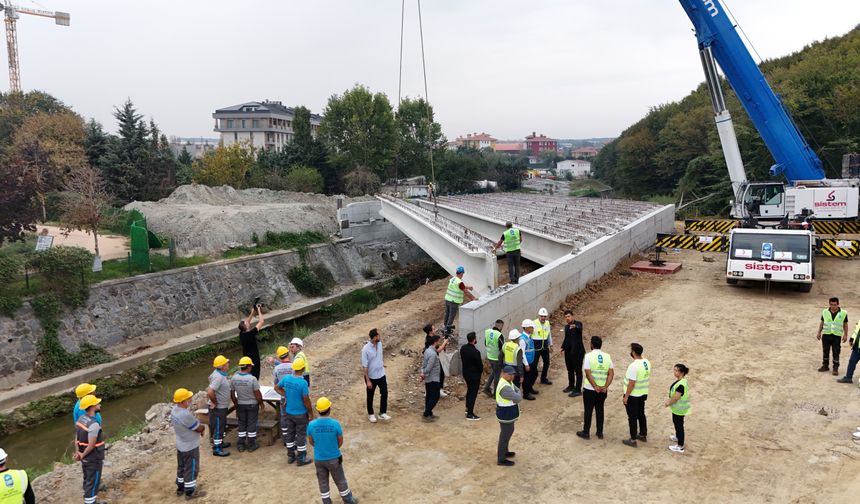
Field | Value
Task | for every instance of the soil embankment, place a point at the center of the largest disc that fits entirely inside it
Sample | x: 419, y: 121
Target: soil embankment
x: 765, y: 427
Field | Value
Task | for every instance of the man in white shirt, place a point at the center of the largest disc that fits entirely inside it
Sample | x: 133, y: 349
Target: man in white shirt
x: 374, y: 375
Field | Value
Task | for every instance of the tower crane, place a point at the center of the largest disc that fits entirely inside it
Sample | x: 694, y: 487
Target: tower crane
x: 11, y: 17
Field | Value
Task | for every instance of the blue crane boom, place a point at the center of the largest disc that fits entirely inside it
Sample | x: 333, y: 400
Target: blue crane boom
x: 716, y: 34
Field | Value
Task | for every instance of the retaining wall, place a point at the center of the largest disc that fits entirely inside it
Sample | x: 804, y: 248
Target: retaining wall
x: 124, y: 314
x: 551, y: 284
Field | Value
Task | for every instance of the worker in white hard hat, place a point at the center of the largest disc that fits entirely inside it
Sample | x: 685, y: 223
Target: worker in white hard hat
x: 297, y: 350
x: 543, y: 344
x: 513, y: 355
x: 16, y: 487
x: 527, y: 345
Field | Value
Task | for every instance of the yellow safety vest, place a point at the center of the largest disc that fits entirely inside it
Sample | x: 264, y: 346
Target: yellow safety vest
x: 510, y: 350
x: 834, y: 325
x: 14, y: 486
x: 542, y: 330
x: 454, y: 292
x: 507, y: 411
x: 512, y: 239
x: 681, y: 406
x: 643, y: 376
x: 599, y: 363
x: 491, y: 343
x: 301, y: 355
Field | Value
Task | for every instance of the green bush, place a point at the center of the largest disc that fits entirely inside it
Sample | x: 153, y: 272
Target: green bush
x: 10, y: 266
x: 311, y: 281
x: 304, y: 179
x: 287, y: 240
x: 65, y: 271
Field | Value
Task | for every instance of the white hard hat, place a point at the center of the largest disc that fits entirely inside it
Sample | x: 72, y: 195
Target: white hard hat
x: 3, y: 456
x: 297, y: 341
x: 513, y: 334
x: 528, y: 323
x: 543, y: 313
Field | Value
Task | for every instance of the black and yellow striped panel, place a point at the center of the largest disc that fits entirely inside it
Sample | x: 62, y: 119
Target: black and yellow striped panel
x: 836, y: 227
x: 838, y: 248
x: 712, y: 244
x: 852, y: 227
x: 710, y: 225
x: 677, y: 241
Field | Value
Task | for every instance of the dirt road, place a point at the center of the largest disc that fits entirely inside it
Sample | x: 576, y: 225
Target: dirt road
x: 110, y: 246
x: 765, y: 427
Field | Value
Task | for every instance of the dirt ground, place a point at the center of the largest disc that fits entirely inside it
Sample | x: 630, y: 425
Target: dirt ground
x: 110, y: 247
x: 765, y: 426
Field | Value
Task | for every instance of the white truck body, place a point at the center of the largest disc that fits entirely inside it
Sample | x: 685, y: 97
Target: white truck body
x: 771, y: 255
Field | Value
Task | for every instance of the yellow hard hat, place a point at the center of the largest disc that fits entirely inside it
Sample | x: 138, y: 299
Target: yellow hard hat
x: 298, y: 364
x: 89, y: 401
x: 84, y: 389
x: 323, y: 404
x: 282, y: 351
x: 246, y: 361
x: 220, y: 361
x: 182, y: 394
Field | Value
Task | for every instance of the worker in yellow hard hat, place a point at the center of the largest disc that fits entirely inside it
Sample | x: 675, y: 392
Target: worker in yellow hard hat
x: 282, y: 368
x: 326, y: 436
x: 219, y: 403
x: 90, y: 446
x: 298, y: 411
x: 84, y: 389
x: 249, y: 402
x: 17, y: 487
x: 188, y: 433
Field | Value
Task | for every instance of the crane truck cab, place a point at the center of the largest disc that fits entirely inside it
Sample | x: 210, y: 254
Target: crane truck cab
x: 784, y: 256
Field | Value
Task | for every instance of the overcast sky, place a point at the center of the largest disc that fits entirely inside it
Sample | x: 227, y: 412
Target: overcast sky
x: 566, y: 68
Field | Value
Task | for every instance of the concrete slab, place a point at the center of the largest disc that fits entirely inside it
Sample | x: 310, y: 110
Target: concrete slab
x: 647, y: 267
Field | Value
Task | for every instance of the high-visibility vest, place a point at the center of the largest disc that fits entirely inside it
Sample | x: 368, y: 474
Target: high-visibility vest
x: 643, y: 376
x: 14, y: 486
x: 529, y: 354
x: 301, y: 355
x: 507, y: 411
x: 82, y: 434
x: 681, y: 406
x: 542, y: 330
x: 512, y: 239
x: 491, y: 343
x: 510, y: 351
x: 834, y: 325
x: 599, y: 363
x: 454, y: 292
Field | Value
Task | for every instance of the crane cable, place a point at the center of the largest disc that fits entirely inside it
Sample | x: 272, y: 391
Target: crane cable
x: 429, y: 116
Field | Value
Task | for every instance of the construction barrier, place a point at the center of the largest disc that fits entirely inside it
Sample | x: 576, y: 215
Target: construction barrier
x: 693, y: 242
x: 838, y: 248
x: 709, y: 225
x: 836, y: 227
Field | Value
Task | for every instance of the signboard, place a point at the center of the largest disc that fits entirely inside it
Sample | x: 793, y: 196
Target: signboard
x: 44, y: 242
x: 97, y: 264
x: 767, y: 250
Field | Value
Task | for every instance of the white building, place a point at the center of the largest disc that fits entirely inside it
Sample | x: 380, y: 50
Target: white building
x: 197, y: 147
x: 260, y: 125
x: 576, y: 167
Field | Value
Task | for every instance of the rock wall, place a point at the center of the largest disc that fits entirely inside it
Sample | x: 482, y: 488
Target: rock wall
x: 124, y: 314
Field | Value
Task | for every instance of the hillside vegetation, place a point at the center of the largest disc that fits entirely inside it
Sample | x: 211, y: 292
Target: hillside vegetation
x: 675, y: 150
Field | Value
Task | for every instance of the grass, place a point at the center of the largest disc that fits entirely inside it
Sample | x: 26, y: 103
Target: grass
x: 587, y: 187
x: 273, y: 241
x: 35, y: 472
x: 664, y: 200
x: 129, y: 429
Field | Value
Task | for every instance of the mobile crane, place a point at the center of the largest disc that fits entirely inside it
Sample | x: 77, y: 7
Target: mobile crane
x: 781, y: 255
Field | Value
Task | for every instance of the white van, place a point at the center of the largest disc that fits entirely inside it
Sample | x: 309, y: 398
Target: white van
x: 771, y: 254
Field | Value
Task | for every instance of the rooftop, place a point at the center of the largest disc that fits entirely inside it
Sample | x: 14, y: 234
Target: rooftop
x: 263, y: 107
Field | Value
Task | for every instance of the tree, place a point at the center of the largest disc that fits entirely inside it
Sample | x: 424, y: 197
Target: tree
x: 85, y: 204
x: 358, y: 128
x: 122, y: 165
x: 360, y: 181
x: 49, y: 146
x: 17, y: 213
x: 15, y: 107
x: 224, y: 166
x: 458, y: 170
x: 304, y: 179
x: 417, y: 134
x: 183, y: 169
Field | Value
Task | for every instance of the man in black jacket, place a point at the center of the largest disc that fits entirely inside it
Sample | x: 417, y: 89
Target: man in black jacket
x: 473, y: 367
x: 574, y: 351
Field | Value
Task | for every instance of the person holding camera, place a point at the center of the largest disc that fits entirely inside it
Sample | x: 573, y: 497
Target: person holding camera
x: 248, y: 337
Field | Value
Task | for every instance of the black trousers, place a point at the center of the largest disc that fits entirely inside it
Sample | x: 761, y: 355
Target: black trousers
x: 473, y: 384
x: 530, y: 378
x: 678, y: 420
x: 514, y: 266
x: 636, y: 416
x: 217, y: 426
x: 830, y: 342
x: 506, y: 430
x: 593, y: 403
x: 573, y: 363
x: 187, y: 467
x: 382, y: 384
x: 543, y: 354
x: 431, y: 397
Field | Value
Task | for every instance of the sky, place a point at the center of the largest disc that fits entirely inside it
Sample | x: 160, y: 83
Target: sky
x: 565, y: 68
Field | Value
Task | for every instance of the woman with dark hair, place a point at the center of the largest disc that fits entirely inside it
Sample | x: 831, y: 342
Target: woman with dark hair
x: 679, y: 402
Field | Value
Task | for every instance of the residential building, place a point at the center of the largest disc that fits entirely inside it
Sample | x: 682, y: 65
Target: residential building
x: 197, y: 147
x: 576, y: 167
x: 477, y: 141
x: 260, y: 125
x: 535, y: 144
x: 512, y: 148
x: 584, y: 152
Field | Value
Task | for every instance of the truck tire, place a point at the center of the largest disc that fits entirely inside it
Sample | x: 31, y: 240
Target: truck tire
x: 804, y: 287
x: 732, y: 281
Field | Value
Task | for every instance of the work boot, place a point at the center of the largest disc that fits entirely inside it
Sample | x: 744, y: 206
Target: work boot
x: 844, y: 379
x: 180, y: 490
x: 583, y: 434
x: 567, y: 390
x: 510, y: 454
x: 252, y: 445
x: 642, y: 437
x: 505, y: 462
x: 327, y: 500
x: 220, y: 453
x: 240, y: 444
x: 350, y: 499
x: 303, y: 459
x: 835, y: 371
x: 824, y: 368
x: 291, y: 455
x: 529, y: 397
x: 225, y: 444
x: 630, y: 442
x: 575, y: 393
x: 195, y: 494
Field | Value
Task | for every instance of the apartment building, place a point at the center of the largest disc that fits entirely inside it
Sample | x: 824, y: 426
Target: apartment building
x: 260, y: 125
